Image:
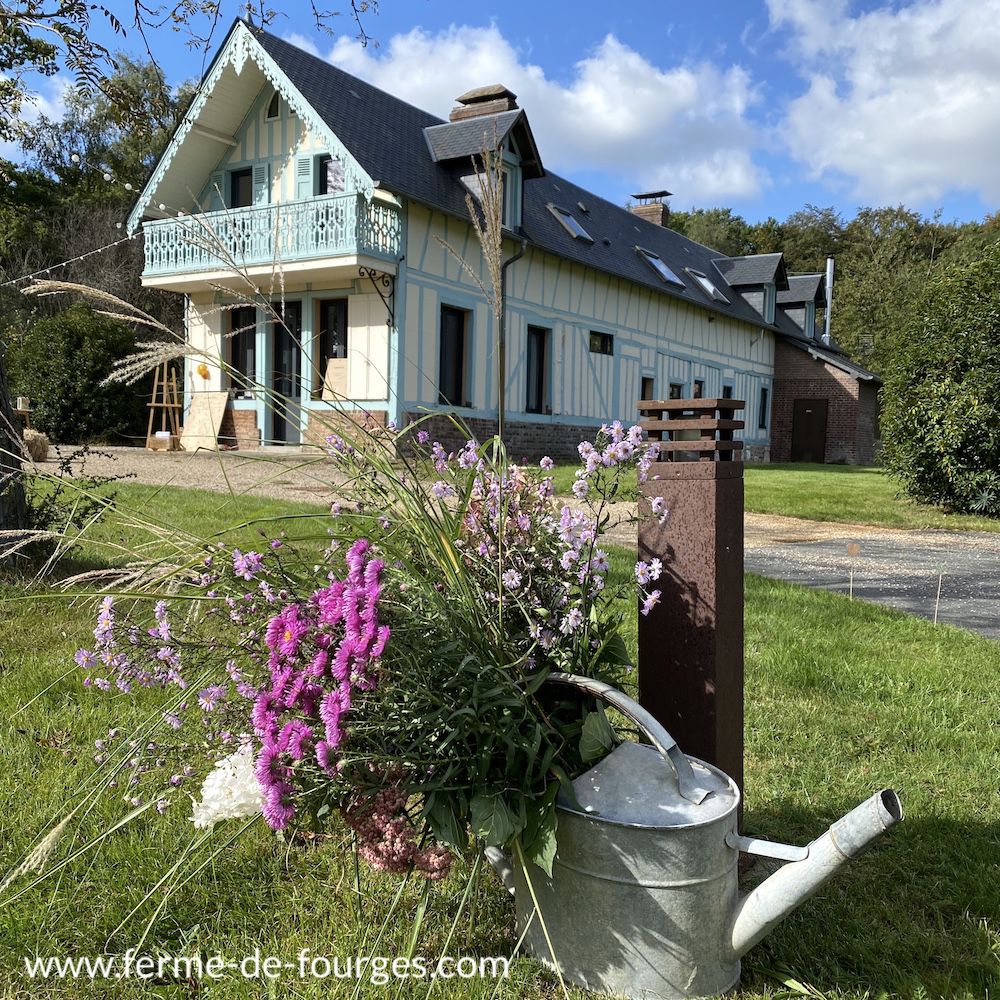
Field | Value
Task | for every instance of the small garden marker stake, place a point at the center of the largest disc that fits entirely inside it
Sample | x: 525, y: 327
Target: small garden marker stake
x: 853, y: 551
x: 937, y: 600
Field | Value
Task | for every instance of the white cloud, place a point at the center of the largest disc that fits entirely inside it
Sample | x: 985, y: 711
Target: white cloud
x: 902, y: 102
x: 684, y: 127
x: 302, y: 42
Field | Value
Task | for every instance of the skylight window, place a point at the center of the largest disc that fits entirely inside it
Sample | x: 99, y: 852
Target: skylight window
x: 569, y: 223
x: 659, y: 266
x: 706, y: 285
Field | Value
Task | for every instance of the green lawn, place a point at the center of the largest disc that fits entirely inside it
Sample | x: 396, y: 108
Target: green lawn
x: 844, y: 493
x: 842, y: 698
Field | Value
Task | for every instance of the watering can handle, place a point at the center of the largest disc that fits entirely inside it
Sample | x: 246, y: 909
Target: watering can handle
x: 687, y: 783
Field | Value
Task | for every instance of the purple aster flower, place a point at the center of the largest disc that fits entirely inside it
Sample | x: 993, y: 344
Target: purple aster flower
x: 546, y: 463
x: 85, y: 659
x: 278, y: 809
x: 511, y: 579
x: 422, y: 437
x: 247, y: 565
x: 580, y: 488
x: 210, y: 697
x: 652, y: 599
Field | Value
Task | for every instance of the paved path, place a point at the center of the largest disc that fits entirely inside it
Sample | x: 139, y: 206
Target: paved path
x: 897, y: 568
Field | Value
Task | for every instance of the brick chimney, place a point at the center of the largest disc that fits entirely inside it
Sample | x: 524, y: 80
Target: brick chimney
x: 651, y: 207
x: 483, y: 101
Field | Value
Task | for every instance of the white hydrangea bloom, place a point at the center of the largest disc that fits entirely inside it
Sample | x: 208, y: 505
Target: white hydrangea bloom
x: 231, y: 791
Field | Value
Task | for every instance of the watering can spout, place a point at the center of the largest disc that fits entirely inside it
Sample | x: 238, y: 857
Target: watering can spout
x: 795, y: 882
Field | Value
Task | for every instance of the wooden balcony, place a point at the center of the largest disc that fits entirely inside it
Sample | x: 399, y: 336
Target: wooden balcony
x: 281, y: 235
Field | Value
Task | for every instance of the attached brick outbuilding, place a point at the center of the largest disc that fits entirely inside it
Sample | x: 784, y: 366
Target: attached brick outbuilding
x: 825, y: 407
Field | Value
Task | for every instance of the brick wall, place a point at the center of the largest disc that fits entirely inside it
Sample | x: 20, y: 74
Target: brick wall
x: 851, y: 407
x: 527, y: 440
x: 239, y: 429
x: 322, y: 423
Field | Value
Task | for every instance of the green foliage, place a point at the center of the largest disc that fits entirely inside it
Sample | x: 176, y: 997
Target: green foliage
x: 60, y: 363
x: 941, y: 423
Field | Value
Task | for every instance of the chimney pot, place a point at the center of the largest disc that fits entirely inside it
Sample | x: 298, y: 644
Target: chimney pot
x: 489, y: 100
x: 650, y: 205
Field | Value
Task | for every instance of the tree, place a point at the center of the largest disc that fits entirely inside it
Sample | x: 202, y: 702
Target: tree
x: 61, y: 363
x: 44, y: 36
x: 810, y: 236
x: 941, y: 419
x: 717, y: 228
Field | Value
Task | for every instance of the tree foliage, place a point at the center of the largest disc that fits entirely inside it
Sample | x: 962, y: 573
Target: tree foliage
x: 60, y: 363
x: 941, y: 420
x: 46, y: 36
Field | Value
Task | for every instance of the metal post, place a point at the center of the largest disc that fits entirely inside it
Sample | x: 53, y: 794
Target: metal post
x: 691, y: 643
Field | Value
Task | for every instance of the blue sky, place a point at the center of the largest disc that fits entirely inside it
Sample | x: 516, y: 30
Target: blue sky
x: 761, y: 105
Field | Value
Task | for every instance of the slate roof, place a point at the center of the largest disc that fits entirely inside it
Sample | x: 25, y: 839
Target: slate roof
x: 387, y: 137
x: 803, y: 288
x: 759, y: 269
x: 832, y: 356
x: 467, y: 138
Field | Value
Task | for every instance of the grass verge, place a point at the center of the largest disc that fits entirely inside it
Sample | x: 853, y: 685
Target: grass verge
x: 842, y: 698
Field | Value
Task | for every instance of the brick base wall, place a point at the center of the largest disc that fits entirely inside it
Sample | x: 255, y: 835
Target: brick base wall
x: 851, y: 407
x: 239, y: 429
x: 526, y: 440
x: 320, y: 424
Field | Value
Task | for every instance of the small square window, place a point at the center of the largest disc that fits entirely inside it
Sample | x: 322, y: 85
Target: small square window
x: 762, y: 412
x: 727, y: 392
x: 570, y: 224
x: 699, y: 389
x: 274, y: 107
x: 602, y: 343
x: 659, y: 266
x: 676, y: 390
x: 648, y: 387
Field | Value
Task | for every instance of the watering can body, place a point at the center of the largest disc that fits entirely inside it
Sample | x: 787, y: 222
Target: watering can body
x: 633, y: 908
x: 643, y: 901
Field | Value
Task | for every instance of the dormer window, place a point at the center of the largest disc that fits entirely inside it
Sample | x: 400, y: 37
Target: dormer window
x: 659, y: 266
x: 274, y: 106
x: 570, y: 224
x: 707, y: 286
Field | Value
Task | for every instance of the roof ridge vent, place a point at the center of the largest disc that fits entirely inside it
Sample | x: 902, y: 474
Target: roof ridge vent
x: 488, y: 100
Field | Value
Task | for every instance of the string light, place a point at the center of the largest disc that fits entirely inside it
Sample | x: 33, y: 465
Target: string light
x: 76, y: 159
x: 72, y: 260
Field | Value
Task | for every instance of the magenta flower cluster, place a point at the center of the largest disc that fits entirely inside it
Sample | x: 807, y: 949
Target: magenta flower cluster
x: 319, y: 653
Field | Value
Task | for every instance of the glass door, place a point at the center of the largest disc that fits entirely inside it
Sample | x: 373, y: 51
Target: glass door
x: 286, y: 374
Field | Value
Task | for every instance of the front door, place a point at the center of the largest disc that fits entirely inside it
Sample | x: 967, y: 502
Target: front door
x: 286, y: 375
x: 809, y: 430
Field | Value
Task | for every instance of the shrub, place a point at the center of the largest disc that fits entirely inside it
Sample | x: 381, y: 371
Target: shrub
x: 941, y: 415
x: 60, y: 363
x: 37, y: 445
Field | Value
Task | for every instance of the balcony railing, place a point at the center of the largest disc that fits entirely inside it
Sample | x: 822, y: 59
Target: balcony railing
x: 283, y: 233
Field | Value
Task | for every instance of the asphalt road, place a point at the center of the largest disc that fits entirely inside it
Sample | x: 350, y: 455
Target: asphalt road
x: 901, y: 569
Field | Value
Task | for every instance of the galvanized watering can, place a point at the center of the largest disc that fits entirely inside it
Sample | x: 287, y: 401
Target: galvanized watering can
x: 643, y: 900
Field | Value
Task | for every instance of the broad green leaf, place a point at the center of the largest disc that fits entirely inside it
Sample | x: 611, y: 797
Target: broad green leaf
x: 539, y: 837
x: 597, y: 737
x: 492, y: 820
x: 445, y: 823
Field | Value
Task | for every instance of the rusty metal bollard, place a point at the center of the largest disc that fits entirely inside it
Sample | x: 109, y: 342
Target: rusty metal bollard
x: 691, y: 643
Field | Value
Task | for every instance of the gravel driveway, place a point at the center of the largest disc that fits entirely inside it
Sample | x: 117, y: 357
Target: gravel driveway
x: 901, y: 569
